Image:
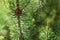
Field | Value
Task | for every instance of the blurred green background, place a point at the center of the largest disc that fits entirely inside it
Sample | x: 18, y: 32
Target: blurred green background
x: 40, y: 20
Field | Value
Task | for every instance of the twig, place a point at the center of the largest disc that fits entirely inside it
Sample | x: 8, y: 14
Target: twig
x: 26, y: 4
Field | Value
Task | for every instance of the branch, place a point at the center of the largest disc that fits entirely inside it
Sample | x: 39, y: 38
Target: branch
x: 26, y: 4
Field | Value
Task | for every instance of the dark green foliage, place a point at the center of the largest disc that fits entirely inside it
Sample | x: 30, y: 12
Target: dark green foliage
x: 40, y: 20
